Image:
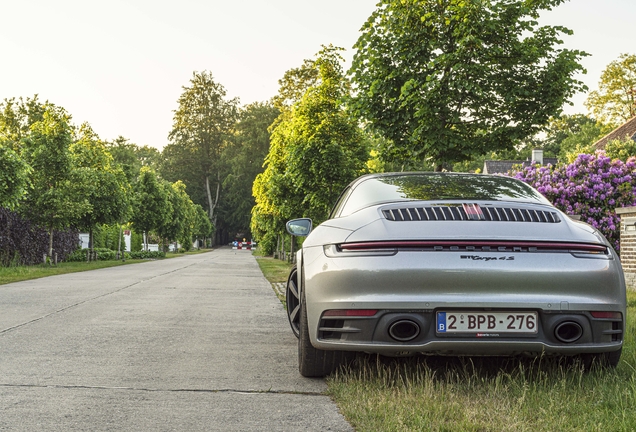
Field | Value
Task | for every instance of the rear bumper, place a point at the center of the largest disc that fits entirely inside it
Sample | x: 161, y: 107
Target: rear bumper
x: 415, y: 285
x: 373, y: 334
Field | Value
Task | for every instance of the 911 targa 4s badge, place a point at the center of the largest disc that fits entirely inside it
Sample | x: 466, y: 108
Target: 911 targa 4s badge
x: 452, y: 264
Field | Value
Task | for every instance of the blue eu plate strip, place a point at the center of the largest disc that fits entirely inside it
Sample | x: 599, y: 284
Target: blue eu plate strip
x: 441, y: 322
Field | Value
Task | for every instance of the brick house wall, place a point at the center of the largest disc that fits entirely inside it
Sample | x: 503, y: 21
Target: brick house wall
x: 628, y: 244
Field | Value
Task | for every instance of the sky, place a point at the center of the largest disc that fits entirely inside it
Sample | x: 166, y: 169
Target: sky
x: 121, y: 65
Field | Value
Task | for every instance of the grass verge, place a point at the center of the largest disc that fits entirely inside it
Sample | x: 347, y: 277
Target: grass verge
x: 489, y: 394
x: 21, y: 273
x: 274, y: 269
x: 192, y: 252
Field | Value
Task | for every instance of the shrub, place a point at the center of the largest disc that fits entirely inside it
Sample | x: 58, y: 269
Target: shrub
x: 24, y: 243
x: 77, y: 256
x: 107, y: 236
x: 136, y: 241
x: 147, y: 254
x: 593, y: 186
x: 103, y: 254
x: 267, y: 243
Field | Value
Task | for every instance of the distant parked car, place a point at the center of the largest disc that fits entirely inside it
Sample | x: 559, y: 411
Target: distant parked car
x: 452, y: 264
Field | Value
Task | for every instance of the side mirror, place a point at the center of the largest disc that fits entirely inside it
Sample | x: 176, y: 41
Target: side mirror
x: 299, y: 227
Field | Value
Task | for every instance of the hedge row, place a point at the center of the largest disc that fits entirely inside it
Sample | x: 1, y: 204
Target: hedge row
x: 104, y: 254
x: 146, y: 254
x: 23, y: 243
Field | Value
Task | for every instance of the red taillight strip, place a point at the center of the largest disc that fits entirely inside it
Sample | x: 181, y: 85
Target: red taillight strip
x: 432, y: 243
x: 350, y: 312
x: 607, y: 315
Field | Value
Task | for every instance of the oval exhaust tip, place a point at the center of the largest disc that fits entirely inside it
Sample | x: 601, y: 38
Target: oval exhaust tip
x: 568, y: 331
x: 404, y: 330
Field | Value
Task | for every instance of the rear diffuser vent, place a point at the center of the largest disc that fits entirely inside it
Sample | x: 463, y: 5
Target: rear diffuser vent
x: 468, y: 212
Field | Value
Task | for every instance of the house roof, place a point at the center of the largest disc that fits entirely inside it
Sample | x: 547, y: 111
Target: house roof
x: 499, y: 166
x: 503, y: 166
x: 626, y: 130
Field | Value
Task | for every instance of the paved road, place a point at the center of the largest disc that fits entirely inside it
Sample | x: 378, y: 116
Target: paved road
x: 193, y: 343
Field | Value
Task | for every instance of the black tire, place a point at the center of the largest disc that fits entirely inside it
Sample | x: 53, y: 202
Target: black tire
x: 314, y: 362
x: 606, y: 360
x: 611, y: 359
x: 292, y: 301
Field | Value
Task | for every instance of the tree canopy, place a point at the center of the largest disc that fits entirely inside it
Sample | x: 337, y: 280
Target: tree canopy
x: 103, y: 185
x: 131, y: 157
x: 244, y: 158
x: 615, y: 100
x: 54, y: 200
x: 17, y: 116
x: 179, y: 225
x: 14, y: 176
x: 60, y: 177
x: 152, y: 206
x: 202, y: 126
x: 316, y: 150
x: 445, y: 81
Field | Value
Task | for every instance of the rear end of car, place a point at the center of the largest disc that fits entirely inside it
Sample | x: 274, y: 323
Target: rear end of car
x: 459, y: 278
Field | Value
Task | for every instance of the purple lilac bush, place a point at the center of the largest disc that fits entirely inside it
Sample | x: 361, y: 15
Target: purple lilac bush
x: 593, y: 186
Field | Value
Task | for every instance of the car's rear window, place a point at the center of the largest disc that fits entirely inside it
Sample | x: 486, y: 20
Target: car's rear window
x: 438, y: 187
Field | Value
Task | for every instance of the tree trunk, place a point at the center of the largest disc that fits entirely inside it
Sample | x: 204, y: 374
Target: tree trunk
x: 50, y: 241
x: 276, y: 254
x: 213, y: 203
x: 282, y: 243
x: 291, y: 248
x: 119, y: 243
x: 216, y: 200
x: 209, y: 195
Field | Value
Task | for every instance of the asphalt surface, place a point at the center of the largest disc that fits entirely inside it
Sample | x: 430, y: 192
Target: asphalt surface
x: 193, y: 343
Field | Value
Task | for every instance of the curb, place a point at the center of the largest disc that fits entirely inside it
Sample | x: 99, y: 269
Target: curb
x: 279, y: 288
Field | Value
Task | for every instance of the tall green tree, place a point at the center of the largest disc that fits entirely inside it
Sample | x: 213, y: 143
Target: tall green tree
x: 245, y: 156
x: 14, y: 176
x: 622, y: 149
x: 202, y: 126
x: 561, y: 128
x: 103, y: 185
x: 55, y: 200
x: 615, y: 100
x: 447, y: 80
x: 131, y: 157
x: 179, y: 225
x: 151, y: 203
x: 202, y: 226
x: 582, y: 140
x: 316, y: 150
x: 267, y: 221
x: 16, y: 118
x: 294, y: 83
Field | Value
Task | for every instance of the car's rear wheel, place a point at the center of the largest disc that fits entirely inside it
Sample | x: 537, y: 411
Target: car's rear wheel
x: 292, y: 300
x: 314, y: 362
x: 606, y: 359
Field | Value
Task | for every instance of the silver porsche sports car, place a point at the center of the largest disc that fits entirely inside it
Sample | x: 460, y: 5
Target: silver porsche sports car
x: 452, y: 264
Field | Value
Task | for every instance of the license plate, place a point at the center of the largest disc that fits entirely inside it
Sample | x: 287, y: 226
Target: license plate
x: 486, y: 322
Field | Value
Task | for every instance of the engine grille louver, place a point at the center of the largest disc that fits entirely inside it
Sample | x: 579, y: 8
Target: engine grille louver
x: 468, y: 212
